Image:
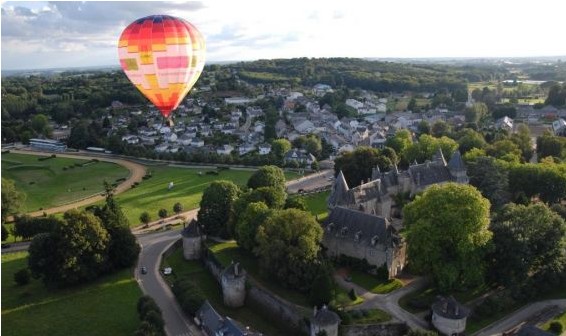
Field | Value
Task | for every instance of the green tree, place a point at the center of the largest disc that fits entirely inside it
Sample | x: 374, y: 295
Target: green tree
x: 162, y: 213
x: 475, y: 112
x: 12, y: 199
x: 502, y: 148
x: 440, y: 128
x: 447, y: 234
x: 216, y: 207
x: 279, y: 148
x: 145, y: 217
x: 177, y: 208
x: 357, y: 166
x: 427, y: 146
x: 253, y: 216
x: 529, y: 240
x: 267, y: 176
x: 296, y: 202
x: 491, y: 179
x: 522, y: 138
x: 288, y: 245
x: 74, y: 252
x: 400, y: 142
x: 423, y: 127
x: 550, y: 145
x: 412, y: 106
x: 543, y: 180
x: 5, y: 233
x: 315, y: 166
x: 468, y: 139
x: 313, y: 145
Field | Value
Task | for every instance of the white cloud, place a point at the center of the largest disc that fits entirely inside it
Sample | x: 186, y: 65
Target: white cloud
x: 272, y: 29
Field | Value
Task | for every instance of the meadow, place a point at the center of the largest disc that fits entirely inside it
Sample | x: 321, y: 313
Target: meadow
x: 104, y: 307
x: 52, y: 182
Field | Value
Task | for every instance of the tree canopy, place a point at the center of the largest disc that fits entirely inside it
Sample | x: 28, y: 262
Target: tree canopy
x: 12, y: 199
x: 447, y: 234
x: 216, y: 207
x: 267, y: 176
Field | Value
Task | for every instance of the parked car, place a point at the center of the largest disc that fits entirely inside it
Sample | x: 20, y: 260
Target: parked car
x: 167, y: 271
x: 143, y: 270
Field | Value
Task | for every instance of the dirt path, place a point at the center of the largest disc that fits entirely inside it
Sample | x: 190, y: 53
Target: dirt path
x: 137, y: 171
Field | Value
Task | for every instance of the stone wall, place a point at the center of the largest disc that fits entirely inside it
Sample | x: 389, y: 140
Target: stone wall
x: 386, y: 329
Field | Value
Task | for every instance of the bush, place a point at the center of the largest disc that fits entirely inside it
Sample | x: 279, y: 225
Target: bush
x: 211, y: 172
x: 188, y: 295
x: 22, y: 277
x: 556, y: 328
x: 352, y: 294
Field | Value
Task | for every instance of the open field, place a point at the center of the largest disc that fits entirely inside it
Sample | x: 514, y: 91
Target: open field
x: 211, y: 289
x: 153, y: 194
x: 317, y: 204
x: 46, y: 184
x: 104, y: 307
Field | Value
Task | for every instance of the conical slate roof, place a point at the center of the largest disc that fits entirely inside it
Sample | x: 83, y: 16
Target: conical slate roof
x: 340, y: 190
x: 456, y: 162
x: 439, y: 156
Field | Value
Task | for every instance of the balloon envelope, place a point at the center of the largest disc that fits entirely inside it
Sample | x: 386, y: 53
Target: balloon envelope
x: 163, y: 56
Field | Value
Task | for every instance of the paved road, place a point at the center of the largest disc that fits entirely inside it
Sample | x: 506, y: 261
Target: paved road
x: 521, y: 315
x: 152, y: 283
x: 389, y: 302
x: 311, y: 182
x: 15, y: 247
x: 137, y: 171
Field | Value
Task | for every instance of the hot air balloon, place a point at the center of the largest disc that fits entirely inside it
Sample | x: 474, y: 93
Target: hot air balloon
x: 163, y: 56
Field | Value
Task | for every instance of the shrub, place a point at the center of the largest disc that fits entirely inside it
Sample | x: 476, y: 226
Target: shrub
x: 53, y: 156
x: 22, y: 277
x: 188, y: 295
x: 352, y: 294
x: 211, y: 172
x: 556, y: 328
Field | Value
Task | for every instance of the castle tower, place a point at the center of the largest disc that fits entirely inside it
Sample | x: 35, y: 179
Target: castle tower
x: 458, y: 169
x: 233, y: 280
x: 324, y: 319
x: 339, y: 192
x: 375, y: 173
x: 192, y: 241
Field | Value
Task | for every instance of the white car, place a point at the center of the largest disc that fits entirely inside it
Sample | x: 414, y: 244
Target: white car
x: 167, y: 271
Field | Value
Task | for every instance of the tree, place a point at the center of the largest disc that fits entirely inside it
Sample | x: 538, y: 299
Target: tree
x: 12, y: 199
x: 279, y: 148
x: 550, y: 145
x: 529, y: 242
x: 503, y: 148
x: 522, y: 138
x: 287, y: 246
x: 447, y: 234
x: 177, y: 208
x: 26, y: 226
x: 358, y: 165
x: 40, y: 124
x: 296, y: 202
x: 400, y: 142
x: 145, y: 218
x: 22, y: 277
x: 440, y: 128
x: 423, y: 127
x: 475, y: 112
x: 216, y: 207
x: 162, y: 213
x: 267, y: 176
x: 556, y: 96
x: 412, y: 105
x: 491, y: 179
x: 74, y: 252
x: 427, y: 146
x: 254, y: 215
x: 5, y: 233
x: 468, y: 139
x: 321, y: 290
x: 315, y: 166
x: 547, y: 181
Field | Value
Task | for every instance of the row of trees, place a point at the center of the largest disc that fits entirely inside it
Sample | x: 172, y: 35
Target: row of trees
x: 274, y: 228
x: 83, y: 245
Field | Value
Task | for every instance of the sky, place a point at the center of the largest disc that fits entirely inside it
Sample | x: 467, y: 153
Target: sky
x: 39, y: 34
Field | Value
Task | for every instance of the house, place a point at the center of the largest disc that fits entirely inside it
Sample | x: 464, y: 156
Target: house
x: 213, y: 324
x: 449, y: 316
x: 225, y: 150
x: 131, y: 139
x: 259, y: 126
x: 171, y: 137
x: 320, y: 90
x: 196, y: 142
x: 246, y: 148
x: 280, y: 128
x: 264, y: 149
x: 303, y: 126
x: 299, y: 156
x: 354, y: 104
x: 162, y: 148
x: 254, y: 111
x: 185, y: 139
x: 228, y: 129
x: 559, y: 127
x: 504, y: 123
x: 238, y: 101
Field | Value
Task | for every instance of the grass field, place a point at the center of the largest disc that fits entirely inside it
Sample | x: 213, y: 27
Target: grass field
x: 368, y: 316
x: 373, y: 284
x: 104, y: 307
x: 153, y: 194
x: 426, y: 297
x: 560, y: 318
x: 46, y: 184
x: 317, y: 204
x: 211, y: 289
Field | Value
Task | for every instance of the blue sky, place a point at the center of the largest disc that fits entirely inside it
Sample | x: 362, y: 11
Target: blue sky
x: 70, y: 34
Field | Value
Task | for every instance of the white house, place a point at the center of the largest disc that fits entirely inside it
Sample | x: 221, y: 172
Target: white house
x: 131, y: 139
x: 185, y: 139
x: 300, y: 156
x: 264, y: 149
x: 320, y: 90
x: 225, y: 149
x: 505, y: 123
x: 162, y: 148
x: 559, y: 127
x: 171, y: 137
x: 246, y: 148
x: 354, y: 103
x: 196, y: 142
x: 304, y: 126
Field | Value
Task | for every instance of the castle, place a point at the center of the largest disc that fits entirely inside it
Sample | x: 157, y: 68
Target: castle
x: 362, y: 221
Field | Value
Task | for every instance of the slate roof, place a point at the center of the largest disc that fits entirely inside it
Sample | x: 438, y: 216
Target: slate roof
x: 214, y: 324
x: 340, y: 193
x: 449, y: 308
x: 429, y: 173
x: 230, y: 271
x: 531, y: 330
x: 363, y: 228
x: 325, y: 317
x: 456, y: 162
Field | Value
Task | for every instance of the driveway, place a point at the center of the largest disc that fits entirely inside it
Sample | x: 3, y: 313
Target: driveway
x: 152, y: 283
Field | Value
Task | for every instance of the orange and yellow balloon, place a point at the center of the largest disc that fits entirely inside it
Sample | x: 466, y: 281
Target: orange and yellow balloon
x: 163, y: 56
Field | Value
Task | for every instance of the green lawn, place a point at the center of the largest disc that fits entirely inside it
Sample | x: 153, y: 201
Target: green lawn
x: 211, y: 289
x: 426, y: 296
x: 317, y: 204
x: 368, y: 316
x: 153, y: 194
x: 373, y: 284
x: 46, y: 184
x: 104, y: 307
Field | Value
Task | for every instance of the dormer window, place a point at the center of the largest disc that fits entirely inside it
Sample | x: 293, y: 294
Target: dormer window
x: 374, y: 240
x: 358, y: 236
x: 330, y: 227
x: 344, y: 230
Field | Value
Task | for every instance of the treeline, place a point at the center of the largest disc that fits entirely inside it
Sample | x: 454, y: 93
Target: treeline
x: 365, y: 74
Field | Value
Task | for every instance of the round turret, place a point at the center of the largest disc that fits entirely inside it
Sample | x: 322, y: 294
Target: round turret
x: 326, y: 320
x: 233, y: 282
x: 192, y: 241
